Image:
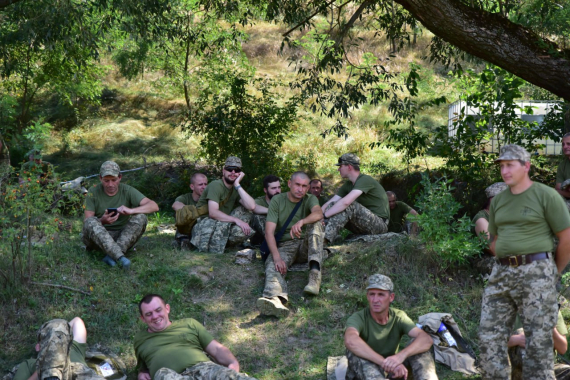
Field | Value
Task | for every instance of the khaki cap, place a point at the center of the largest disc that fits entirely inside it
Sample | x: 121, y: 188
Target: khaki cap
x: 109, y: 168
x: 513, y: 152
x: 348, y: 159
x: 379, y: 281
x: 233, y: 161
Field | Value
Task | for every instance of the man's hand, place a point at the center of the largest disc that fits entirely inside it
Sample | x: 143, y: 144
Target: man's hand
x: 124, y: 210
x: 234, y: 366
x: 400, y: 371
x: 239, y: 178
x: 280, y: 265
x: 517, y: 340
x: 108, y: 218
x: 143, y: 375
x: 244, y: 226
x: 296, y: 229
x: 392, y: 362
x: 177, y: 206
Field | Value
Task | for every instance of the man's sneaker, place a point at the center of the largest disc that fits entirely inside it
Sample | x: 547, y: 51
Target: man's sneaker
x: 126, y: 263
x: 272, y: 306
x: 109, y: 261
x: 314, y: 284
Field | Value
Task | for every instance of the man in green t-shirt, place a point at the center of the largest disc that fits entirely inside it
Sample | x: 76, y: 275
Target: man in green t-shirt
x: 372, y: 339
x: 114, y: 216
x: 316, y: 188
x: 168, y: 350
x: 227, y: 223
x: 271, y: 187
x: 297, y: 244
x: 198, y: 183
x: 61, y: 353
x: 398, y: 212
x: 517, y: 345
x: 563, y: 172
x: 524, y: 219
x: 360, y: 205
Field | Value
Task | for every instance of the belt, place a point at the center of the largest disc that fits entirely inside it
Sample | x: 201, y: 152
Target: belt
x: 515, y: 261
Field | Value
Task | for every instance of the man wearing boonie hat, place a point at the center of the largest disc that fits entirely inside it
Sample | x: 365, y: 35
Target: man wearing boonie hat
x: 563, y: 172
x: 227, y: 223
x: 361, y: 204
x: 114, y: 216
x: 372, y: 339
x: 524, y: 219
x: 481, y: 219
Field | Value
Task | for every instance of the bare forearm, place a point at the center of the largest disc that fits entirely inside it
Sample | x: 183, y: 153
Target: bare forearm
x: 226, y: 358
x: 147, y: 208
x: 222, y: 216
x: 338, y: 207
x: 271, y: 243
x: 260, y: 210
x: 177, y: 206
x: 420, y: 344
x: 560, y: 342
x: 562, y: 255
x: 358, y: 347
x: 246, y: 199
x: 313, y: 217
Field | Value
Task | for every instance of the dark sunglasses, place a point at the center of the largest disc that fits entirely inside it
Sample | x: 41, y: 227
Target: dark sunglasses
x: 232, y: 169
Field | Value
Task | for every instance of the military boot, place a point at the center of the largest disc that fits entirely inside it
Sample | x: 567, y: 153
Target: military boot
x: 314, y: 284
x: 272, y: 306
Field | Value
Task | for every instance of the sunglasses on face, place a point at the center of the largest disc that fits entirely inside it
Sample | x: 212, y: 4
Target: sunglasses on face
x: 233, y: 169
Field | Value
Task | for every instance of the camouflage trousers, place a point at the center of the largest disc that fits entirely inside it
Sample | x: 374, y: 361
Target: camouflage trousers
x: 420, y: 367
x: 308, y: 249
x: 517, y: 355
x: 258, y: 224
x: 113, y: 243
x: 201, y: 371
x: 530, y: 291
x: 55, y: 339
x: 211, y: 235
x: 357, y: 219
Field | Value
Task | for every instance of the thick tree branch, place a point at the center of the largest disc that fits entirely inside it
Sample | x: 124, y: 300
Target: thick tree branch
x: 497, y: 40
x: 6, y: 3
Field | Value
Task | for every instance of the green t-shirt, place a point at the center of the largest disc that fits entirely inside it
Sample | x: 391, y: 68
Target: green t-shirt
x: 97, y: 201
x: 261, y: 201
x: 481, y: 214
x: 179, y: 346
x: 28, y: 367
x: 186, y: 199
x: 281, y: 207
x: 398, y: 217
x: 216, y: 191
x: 373, y: 195
x: 563, y: 172
x: 323, y: 199
x: 526, y: 222
x: 383, y: 339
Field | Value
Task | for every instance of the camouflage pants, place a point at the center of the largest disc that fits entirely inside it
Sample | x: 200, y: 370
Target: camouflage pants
x: 529, y: 290
x: 301, y: 251
x: 113, y: 243
x: 201, y: 371
x: 420, y: 367
x: 356, y: 218
x: 53, y: 358
x: 210, y: 235
x: 258, y: 224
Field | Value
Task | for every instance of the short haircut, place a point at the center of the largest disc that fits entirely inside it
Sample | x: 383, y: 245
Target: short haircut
x: 355, y: 166
x: 566, y: 135
x: 270, y: 179
x: 195, y: 176
x: 316, y: 180
x: 148, y: 299
x: 391, y: 193
x: 300, y: 174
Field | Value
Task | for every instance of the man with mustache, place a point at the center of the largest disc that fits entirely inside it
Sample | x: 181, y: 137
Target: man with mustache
x: 563, y: 172
x: 271, y: 187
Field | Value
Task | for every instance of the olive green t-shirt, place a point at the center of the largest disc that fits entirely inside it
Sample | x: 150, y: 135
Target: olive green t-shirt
x: 261, y: 201
x: 281, y: 207
x: 323, y: 199
x: 28, y: 367
x: 373, y: 195
x: 97, y: 201
x: 526, y: 223
x: 216, y: 191
x: 563, y: 172
x: 560, y: 325
x: 398, y: 217
x: 186, y: 199
x: 383, y: 339
x: 179, y: 346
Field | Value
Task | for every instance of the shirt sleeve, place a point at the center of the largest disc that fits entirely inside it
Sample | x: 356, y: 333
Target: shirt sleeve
x: 492, y: 229
x: 312, y: 201
x: 355, y: 321
x: 25, y: 370
x: 365, y: 184
x: 273, y: 211
x: 556, y: 212
x: 204, y: 337
x: 405, y: 207
x: 215, y: 193
x: 135, y: 197
x: 344, y: 189
x: 406, y: 324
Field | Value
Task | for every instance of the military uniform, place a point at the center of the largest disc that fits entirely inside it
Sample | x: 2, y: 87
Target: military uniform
x: 563, y: 174
x: 398, y: 217
x: 186, y: 199
x: 524, y: 278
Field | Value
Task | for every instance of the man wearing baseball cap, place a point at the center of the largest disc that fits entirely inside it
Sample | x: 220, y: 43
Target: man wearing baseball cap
x: 114, y: 216
x: 372, y: 339
x: 524, y: 219
x: 481, y: 219
x: 226, y: 223
x: 361, y: 204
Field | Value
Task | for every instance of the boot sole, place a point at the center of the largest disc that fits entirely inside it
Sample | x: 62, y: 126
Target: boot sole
x: 267, y: 307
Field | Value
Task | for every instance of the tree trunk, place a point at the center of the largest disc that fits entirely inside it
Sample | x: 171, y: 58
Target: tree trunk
x: 497, y: 40
x: 566, y: 110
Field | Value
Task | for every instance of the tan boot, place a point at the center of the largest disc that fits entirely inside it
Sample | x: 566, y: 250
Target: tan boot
x: 272, y: 306
x: 314, y: 284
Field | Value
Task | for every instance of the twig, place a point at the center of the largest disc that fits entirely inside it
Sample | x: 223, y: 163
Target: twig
x: 182, y: 158
x: 308, y: 18
x: 61, y: 287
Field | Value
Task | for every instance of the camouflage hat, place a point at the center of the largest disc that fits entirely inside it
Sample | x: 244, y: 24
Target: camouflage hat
x: 35, y: 153
x: 513, y: 152
x: 109, y: 168
x: 348, y: 159
x: 233, y: 161
x: 565, y: 184
x: 379, y: 281
x: 495, y: 189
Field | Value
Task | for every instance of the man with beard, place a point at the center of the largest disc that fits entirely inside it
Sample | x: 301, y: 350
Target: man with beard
x: 563, y: 173
x: 296, y: 245
x: 227, y: 222
x: 271, y: 187
x: 198, y: 183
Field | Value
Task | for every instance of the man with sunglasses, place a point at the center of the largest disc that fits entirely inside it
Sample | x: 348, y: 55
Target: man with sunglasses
x: 227, y: 222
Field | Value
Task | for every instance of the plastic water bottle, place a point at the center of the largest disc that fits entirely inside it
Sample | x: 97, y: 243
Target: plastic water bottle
x: 444, y: 333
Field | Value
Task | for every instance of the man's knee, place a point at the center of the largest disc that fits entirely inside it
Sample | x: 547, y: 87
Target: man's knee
x: 141, y: 219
